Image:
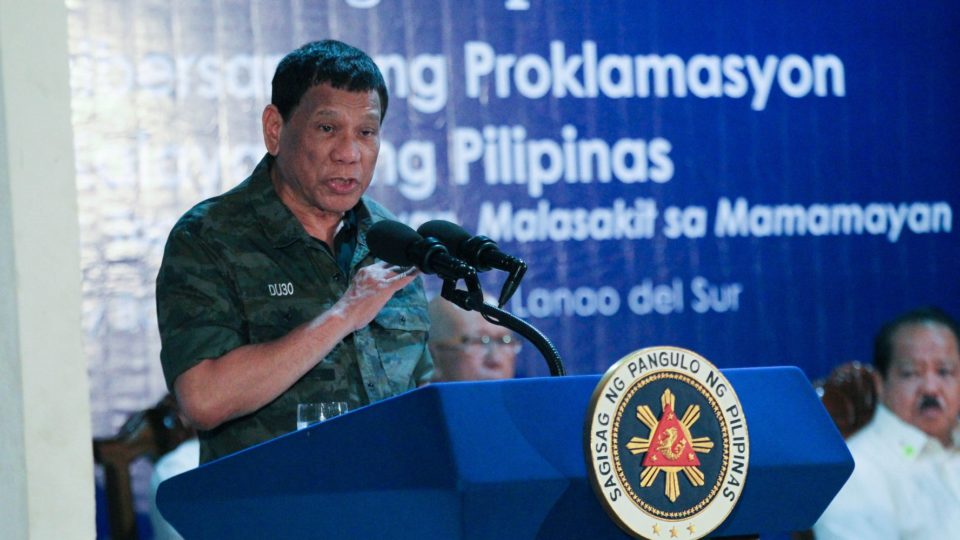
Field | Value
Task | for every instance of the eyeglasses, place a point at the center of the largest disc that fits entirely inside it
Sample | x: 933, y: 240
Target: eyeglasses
x: 483, y: 344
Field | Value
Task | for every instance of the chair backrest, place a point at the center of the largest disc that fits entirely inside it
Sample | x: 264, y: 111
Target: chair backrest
x: 149, y: 433
x: 850, y: 394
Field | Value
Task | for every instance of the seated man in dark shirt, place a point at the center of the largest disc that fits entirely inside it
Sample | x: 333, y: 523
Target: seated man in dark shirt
x: 267, y: 295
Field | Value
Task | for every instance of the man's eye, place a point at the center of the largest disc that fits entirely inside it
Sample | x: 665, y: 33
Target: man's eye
x: 327, y: 128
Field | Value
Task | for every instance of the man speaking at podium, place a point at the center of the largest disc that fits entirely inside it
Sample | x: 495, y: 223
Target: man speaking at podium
x: 267, y: 295
x: 906, y: 480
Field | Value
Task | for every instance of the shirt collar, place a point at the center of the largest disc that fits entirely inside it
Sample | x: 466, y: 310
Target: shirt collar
x: 910, y: 441
x: 279, y: 224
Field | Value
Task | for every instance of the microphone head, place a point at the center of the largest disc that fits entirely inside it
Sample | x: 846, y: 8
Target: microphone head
x: 469, y: 248
x: 391, y: 242
x: 451, y: 234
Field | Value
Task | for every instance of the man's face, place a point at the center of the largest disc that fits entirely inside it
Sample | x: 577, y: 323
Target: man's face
x: 922, y: 386
x: 475, y: 360
x: 327, y: 150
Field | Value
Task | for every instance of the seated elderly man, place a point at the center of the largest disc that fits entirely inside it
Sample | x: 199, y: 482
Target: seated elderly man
x: 906, y: 483
x: 466, y: 347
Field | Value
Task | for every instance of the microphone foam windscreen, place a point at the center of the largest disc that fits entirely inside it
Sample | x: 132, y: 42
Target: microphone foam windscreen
x: 451, y: 234
x: 390, y: 241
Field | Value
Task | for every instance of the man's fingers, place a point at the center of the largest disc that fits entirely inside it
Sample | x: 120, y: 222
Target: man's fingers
x: 404, y: 271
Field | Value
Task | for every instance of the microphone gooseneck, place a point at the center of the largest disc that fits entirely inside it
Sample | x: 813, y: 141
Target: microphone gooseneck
x: 472, y: 300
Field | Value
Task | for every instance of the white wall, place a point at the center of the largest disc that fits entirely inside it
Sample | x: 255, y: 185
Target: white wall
x: 46, y: 465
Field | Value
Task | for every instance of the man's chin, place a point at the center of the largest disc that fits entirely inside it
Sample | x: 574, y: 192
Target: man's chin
x: 338, y: 203
x: 937, y: 426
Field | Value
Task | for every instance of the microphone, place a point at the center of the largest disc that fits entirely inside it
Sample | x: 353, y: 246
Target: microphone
x: 398, y: 244
x: 479, y: 251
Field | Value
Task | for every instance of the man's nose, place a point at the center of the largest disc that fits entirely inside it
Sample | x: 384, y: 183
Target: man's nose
x: 931, y: 382
x: 346, y: 149
x: 498, y: 354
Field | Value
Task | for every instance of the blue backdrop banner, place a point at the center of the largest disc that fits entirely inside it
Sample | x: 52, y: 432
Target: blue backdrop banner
x: 763, y: 183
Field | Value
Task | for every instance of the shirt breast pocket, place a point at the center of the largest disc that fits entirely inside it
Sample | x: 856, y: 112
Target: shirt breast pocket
x: 400, y: 334
x: 404, y: 318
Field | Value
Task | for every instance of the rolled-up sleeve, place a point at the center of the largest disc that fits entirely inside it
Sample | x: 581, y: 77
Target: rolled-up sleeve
x: 197, y: 308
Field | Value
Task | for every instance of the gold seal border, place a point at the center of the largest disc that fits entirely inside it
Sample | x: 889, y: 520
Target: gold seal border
x: 702, y: 529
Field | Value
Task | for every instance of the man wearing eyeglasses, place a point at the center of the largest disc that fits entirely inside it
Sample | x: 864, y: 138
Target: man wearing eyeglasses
x: 466, y: 347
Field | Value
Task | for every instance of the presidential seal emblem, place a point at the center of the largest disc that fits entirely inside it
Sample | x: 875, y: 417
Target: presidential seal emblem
x: 666, y: 444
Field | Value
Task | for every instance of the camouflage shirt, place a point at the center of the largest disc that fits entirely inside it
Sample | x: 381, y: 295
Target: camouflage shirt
x: 240, y: 269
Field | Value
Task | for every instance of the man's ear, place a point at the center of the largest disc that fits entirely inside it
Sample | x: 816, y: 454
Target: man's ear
x: 880, y: 383
x: 272, y: 128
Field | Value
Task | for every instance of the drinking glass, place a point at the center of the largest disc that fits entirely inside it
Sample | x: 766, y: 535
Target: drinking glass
x: 311, y: 413
x: 308, y: 413
x: 329, y: 409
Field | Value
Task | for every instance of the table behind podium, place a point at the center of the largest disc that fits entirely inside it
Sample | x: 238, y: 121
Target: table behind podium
x: 497, y: 459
